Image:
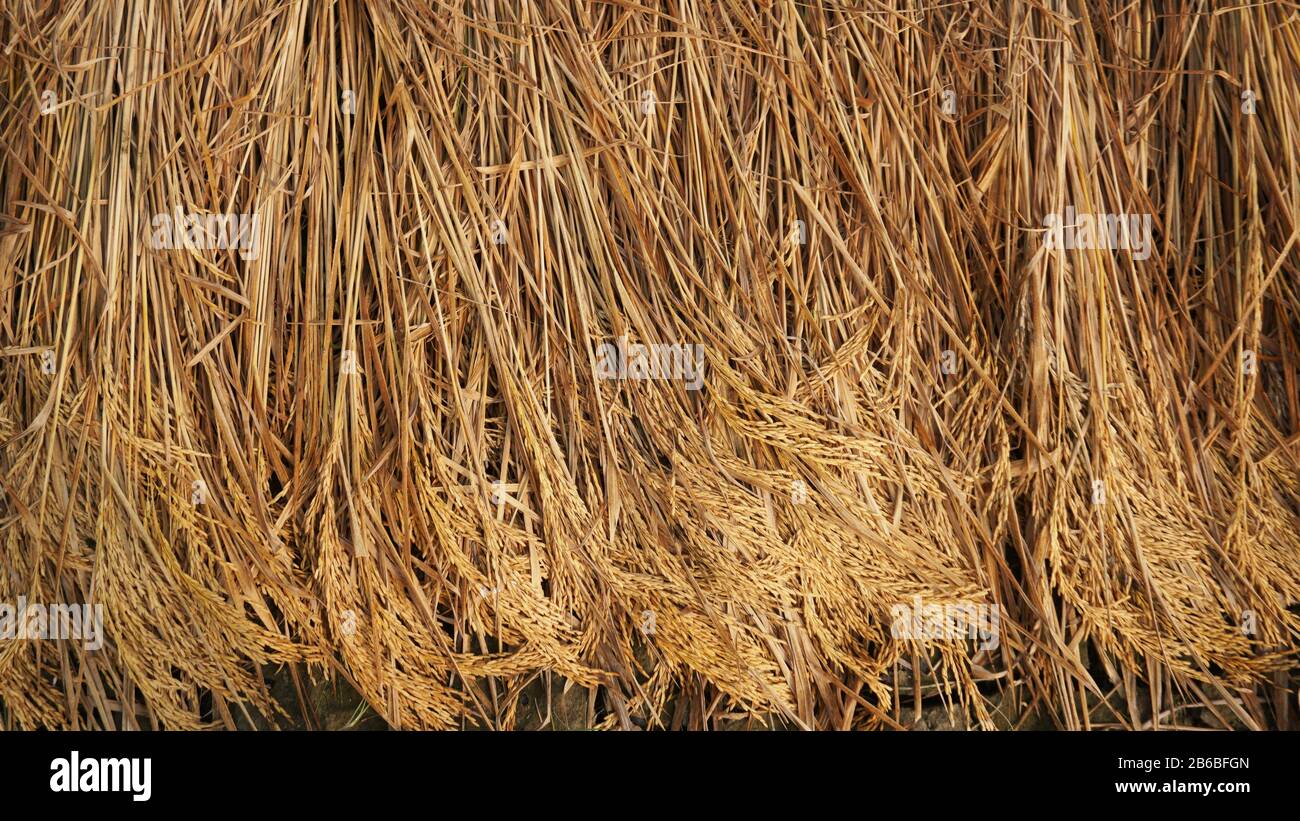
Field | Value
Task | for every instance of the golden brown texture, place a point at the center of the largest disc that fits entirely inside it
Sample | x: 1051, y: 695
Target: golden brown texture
x: 827, y: 197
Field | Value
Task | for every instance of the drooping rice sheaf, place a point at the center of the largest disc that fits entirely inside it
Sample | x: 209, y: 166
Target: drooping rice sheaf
x: 956, y: 360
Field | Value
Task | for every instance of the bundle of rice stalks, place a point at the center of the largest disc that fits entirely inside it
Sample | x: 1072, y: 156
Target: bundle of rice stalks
x: 806, y: 362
